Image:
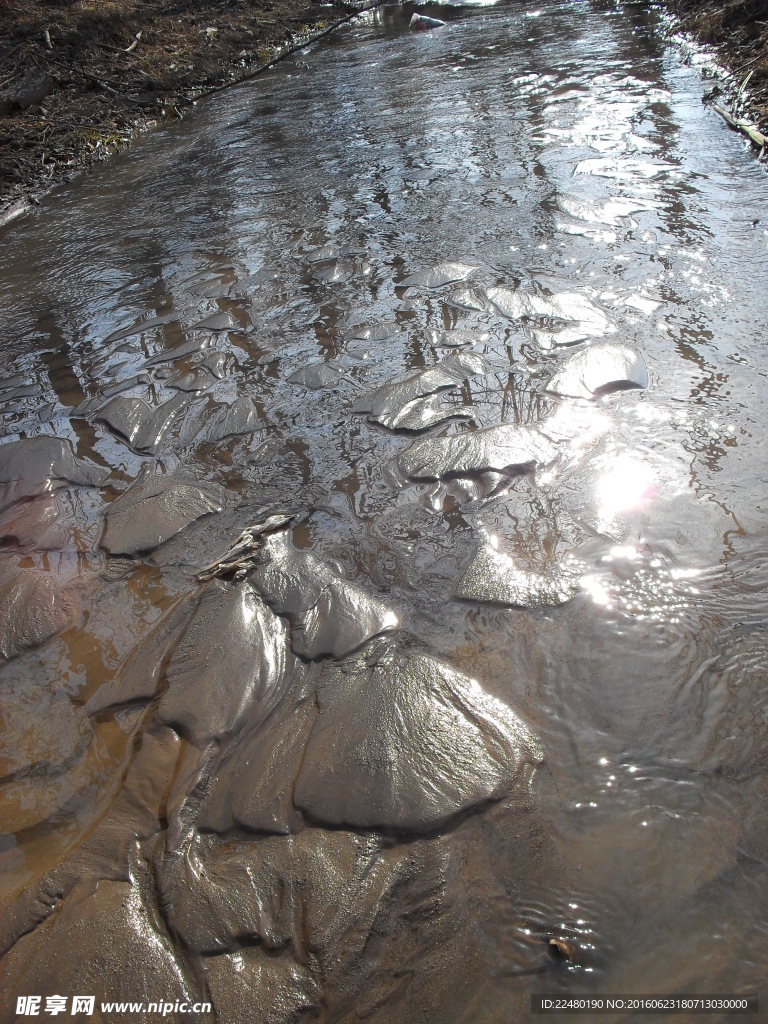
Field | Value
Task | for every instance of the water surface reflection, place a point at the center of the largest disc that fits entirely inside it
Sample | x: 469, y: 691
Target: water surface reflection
x: 432, y: 347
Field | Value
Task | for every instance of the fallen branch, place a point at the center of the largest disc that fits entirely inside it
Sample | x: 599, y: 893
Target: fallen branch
x: 740, y: 125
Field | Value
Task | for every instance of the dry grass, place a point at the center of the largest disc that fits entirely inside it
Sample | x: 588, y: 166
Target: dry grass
x: 102, y: 94
x: 738, y: 30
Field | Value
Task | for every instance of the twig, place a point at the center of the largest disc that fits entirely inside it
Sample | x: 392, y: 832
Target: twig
x: 134, y: 44
x: 752, y: 61
x: 743, y: 85
x: 113, y: 87
x: 10, y: 52
x: 294, y: 47
x: 244, y: 554
x: 47, y: 37
x: 114, y: 49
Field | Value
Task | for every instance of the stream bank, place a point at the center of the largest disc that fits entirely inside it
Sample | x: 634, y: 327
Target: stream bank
x: 79, y: 80
x: 737, y: 32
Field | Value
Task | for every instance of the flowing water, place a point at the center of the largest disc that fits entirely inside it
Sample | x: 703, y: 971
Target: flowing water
x: 467, y: 329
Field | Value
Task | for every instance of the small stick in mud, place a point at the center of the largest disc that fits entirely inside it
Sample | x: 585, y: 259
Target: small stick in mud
x: 242, y: 556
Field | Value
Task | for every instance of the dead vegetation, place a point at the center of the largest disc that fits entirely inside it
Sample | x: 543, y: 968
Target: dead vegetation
x: 78, y: 78
x: 738, y: 32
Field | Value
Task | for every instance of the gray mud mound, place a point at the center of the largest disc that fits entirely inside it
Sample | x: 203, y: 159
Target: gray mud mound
x: 437, y: 276
x: 502, y: 449
x: 33, y: 608
x: 293, y: 896
x: 579, y: 318
x: 253, y: 786
x: 34, y: 465
x: 47, y: 523
x: 599, y: 370
x: 408, y: 745
x: 493, y: 577
x: 103, y: 943
x: 232, y: 661
x: 412, y: 404
x: 154, y: 509
x: 142, y: 426
x: 456, y: 338
x: 329, y: 615
x: 315, y: 376
x: 137, y: 677
x: 185, y: 418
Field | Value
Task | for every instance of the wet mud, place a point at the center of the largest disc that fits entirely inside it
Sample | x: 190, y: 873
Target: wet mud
x: 382, y: 576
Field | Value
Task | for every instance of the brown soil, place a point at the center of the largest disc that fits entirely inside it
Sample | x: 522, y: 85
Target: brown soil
x: 738, y: 32
x: 78, y: 78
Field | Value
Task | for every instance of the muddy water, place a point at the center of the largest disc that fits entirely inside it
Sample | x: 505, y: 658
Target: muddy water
x: 383, y: 578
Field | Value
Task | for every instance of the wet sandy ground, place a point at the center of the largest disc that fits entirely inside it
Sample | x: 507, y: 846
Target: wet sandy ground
x: 383, y: 584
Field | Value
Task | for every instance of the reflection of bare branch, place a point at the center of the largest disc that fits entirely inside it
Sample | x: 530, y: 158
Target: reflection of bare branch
x: 511, y: 402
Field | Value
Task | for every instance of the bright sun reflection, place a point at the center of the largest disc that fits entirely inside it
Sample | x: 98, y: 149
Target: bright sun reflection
x: 628, y: 484
x: 596, y: 589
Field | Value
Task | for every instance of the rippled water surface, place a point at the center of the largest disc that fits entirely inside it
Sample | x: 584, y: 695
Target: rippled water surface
x: 383, y: 570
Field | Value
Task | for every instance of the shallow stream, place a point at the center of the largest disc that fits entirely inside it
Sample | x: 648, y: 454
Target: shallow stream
x: 466, y: 329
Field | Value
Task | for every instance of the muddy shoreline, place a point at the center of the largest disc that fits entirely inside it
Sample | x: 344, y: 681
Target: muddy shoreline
x: 382, y: 575
x: 79, y: 81
x: 737, y: 34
